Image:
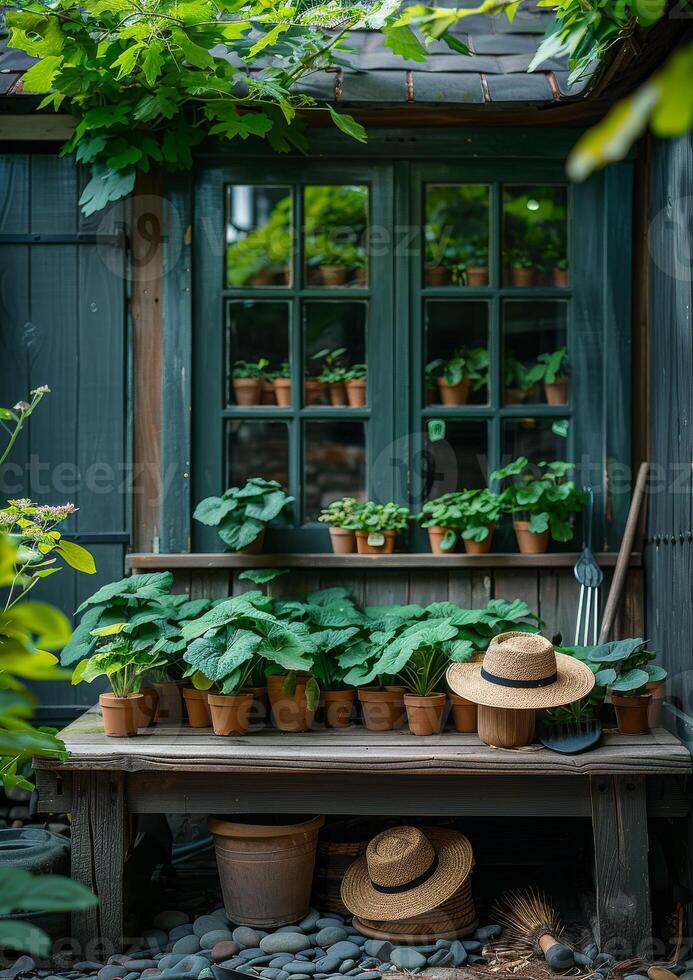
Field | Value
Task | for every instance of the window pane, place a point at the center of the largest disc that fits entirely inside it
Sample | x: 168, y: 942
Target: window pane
x: 334, y: 344
x: 336, y: 232
x: 257, y: 449
x: 334, y: 464
x: 258, y: 352
x: 457, y: 235
x: 535, y: 236
x: 535, y: 364
x: 259, y: 236
x: 456, y: 352
x: 537, y: 439
x: 455, y: 456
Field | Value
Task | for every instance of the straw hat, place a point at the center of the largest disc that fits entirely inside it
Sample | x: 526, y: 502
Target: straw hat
x: 453, y: 919
x: 521, y: 670
x: 405, y: 872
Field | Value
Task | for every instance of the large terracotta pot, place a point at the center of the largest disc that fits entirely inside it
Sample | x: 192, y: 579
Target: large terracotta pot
x: 314, y: 391
x: 477, y: 275
x: 425, y: 714
x: 654, y: 710
x: 524, y: 278
x: 290, y: 712
x: 170, y: 702
x: 120, y: 715
x: 338, y: 394
x: 383, y: 710
x: 267, y: 395
x: 631, y: 713
x: 435, y: 538
x: 454, y: 394
x: 282, y: 392
x: 464, y: 713
x: 197, y: 706
x: 506, y: 728
x: 334, y: 275
x: 255, y: 547
x: 557, y: 392
x: 560, y: 278
x: 247, y: 391
x: 356, y: 392
x: 480, y: 547
x: 230, y: 713
x: 343, y: 541
x: 364, y: 548
x: 528, y: 543
x: 338, y: 707
x: 436, y: 275
x: 149, y: 707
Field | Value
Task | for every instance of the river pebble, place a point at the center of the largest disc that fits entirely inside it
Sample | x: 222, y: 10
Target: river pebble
x: 285, y: 942
x: 407, y: 959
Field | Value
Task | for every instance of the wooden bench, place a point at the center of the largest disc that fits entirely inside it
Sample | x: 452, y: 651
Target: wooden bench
x: 191, y: 771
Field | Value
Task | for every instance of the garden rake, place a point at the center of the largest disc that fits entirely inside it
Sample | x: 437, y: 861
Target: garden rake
x: 590, y: 576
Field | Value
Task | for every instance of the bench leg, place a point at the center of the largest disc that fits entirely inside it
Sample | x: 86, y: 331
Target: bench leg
x: 98, y: 859
x: 622, y: 885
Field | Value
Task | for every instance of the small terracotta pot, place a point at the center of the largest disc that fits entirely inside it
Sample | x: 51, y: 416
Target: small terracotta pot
x: 334, y: 275
x: 654, y: 710
x: 198, y: 707
x: 435, y: 537
x: 338, y: 394
x: 477, y: 275
x: 383, y: 710
x: 514, y: 396
x: 170, y: 707
x: 506, y: 728
x: 425, y: 714
x: 290, y: 713
x: 282, y: 392
x: 255, y: 547
x: 464, y: 713
x: 267, y: 396
x: 480, y: 547
x: 524, y: 278
x: 363, y: 548
x: 247, y: 391
x: 314, y: 391
x: 149, y: 707
x: 120, y: 715
x: 343, y: 541
x: 528, y: 543
x: 230, y: 713
x: 557, y: 392
x: 356, y: 392
x: 259, y: 710
x: 631, y: 713
x: 437, y: 275
x: 454, y: 394
x: 338, y: 707
x: 560, y: 278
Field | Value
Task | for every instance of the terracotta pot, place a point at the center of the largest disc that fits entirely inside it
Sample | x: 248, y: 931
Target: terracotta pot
x: 506, y: 728
x: 480, y: 547
x: 338, y: 394
x: 356, y: 392
x: 198, y: 707
x: 383, y: 710
x: 247, y: 391
x: 120, y: 715
x: 514, y: 396
x: 149, y: 707
x: 425, y: 714
x: 290, y: 712
x: 557, y: 392
x: 631, y: 713
x: 524, y: 278
x: 170, y: 706
x: 454, y: 394
x: 230, y: 713
x: 528, y: 543
x: 259, y: 710
x: 338, y: 707
x: 267, y: 396
x: 282, y: 391
x: 464, y: 713
x: 435, y: 537
x: 364, y: 548
x: 560, y: 278
x: 314, y: 391
x: 334, y: 275
x: 654, y: 710
x: 343, y: 541
x: 437, y: 275
x: 255, y: 547
x: 477, y: 275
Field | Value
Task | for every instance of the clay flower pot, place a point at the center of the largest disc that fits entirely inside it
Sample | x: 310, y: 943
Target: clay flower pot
x: 197, y: 707
x: 560, y: 278
x: 464, y: 713
x: 338, y: 707
x: 506, y: 728
x: 631, y: 713
x: 259, y: 710
x: 247, y: 391
x: 654, y: 710
x: 149, y: 707
x: 477, y: 275
x: 290, y: 712
x: 435, y: 538
x: 334, y: 275
x: 255, y: 547
x: 436, y: 275
x: 314, y: 390
x: 364, y: 548
x: 267, y: 396
x: 523, y: 278
x: 425, y: 714
x: 170, y: 702
x: 338, y: 394
x: 556, y: 392
x: 529, y: 543
x: 230, y: 713
x: 343, y: 541
x: 480, y: 547
x: 120, y: 715
x: 454, y: 394
x: 382, y: 710
x: 356, y: 392
x: 282, y: 392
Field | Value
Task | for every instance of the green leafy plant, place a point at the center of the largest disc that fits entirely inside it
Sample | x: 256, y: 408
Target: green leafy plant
x: 463, y: 513
x: 331, y: 370
x: 284, y: 371
x: 357, y: 372
x: 550, y: 367
x: 266, y: 247
x: 116, y: 659
x: 549, y: 500
x: 570, y: 714
x: 332, y: 647
x: 21, y: 891
x: 13, y: 419
x: 519, y: 258
x: 466, y: 363
x: 241, y: 513
x: 626, y: 666
x: 516, y: 374
x: 376, y: 518
x: 245, y: 369
x: 341, y: 513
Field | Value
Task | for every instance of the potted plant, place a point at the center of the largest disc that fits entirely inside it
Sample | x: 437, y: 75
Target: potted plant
x: 341, y: 515
x: 336, y: 696
x: 356, y: 383
x: 332, y: 374
x: 519, y: 384
x: 377, y: 525
x: 465, y: 371
x: 540, y: 505
x: 552, y: 370
x: 627, y: 670
x: 241, y: 514
x: 522, y: 268
x: 247, y: 381
x: 469, y: 515
x: 282, y: 385
x: 560, y: 274
x: 555, y: 263
x: 476, y: 265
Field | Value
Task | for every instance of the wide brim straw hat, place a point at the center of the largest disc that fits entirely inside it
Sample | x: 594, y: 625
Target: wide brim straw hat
x: 406, y: 872
x: 453, y: 919
x: 521, y: 670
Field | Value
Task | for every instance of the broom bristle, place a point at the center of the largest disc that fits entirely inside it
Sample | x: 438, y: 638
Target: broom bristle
x: 525, y: 916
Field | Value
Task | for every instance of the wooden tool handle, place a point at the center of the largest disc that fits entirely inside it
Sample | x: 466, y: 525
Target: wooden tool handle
x: 621, y: 569
x: 558, y: 957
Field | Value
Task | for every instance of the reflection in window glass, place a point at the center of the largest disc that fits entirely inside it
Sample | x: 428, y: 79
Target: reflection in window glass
x: 456, y: 352
x: 336, y: 230
x: 258, y: 351
x: 334, y: 464
x: 257, y: 449
x: 258, y: 236
x: 457, y: 235
x: 535, y: 236
x: 535, y: 361
x: 537, y: 439
x: 455, y: 456
x: 334, y: 344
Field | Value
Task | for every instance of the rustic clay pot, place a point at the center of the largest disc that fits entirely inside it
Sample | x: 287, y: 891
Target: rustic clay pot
x: 464, y: 713
x: 197, y: 707
x: 435, y: 537
x: 120, y: 715
x: 149, y: 707
x: 477, y: 275
x: 454, y: 394
x: 338, y: 394
x: 230, y: 713
x: 314, y: 392
x: 506, y: 728
x: 247, y: 391
x: 363, y: 548
x: 267, y: 396
x: 290, y: 712
x: 437, y: 275
x: 334, y: 275
x: 170, y: 704
x: 654, y: 710
x: 259, y: 710
x: 383, y: 710
x: 480, y: 547
x: 557, y: 392
x: 343, y: 541
x: 282, y: 392
x: 356, y: 392
x: 255, y: 547
x: 425, y: 714
x: 528, y: 543
x: 338, y: 707
x: 631, y: 713
x: 560, y: 278
x: 523, y: 278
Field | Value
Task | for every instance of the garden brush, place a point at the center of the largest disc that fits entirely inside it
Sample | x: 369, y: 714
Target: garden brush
x: 530, y: 925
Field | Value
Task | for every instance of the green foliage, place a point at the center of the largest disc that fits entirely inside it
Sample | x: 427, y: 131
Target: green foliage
x: 550, y: 367
x: 266, y: 247
x: 243, y: 369
x: 240, y: 514
x: 550, y: 500
x: 335, y: 224
x: 516, y: 374
x: 331, y: 370
x: 260, y: 576
x: 341, y: 513
x: 625, y: 666
x: 118, y: 660
x: 24, y: 892
x: 357, y: 372
x: 464, y: 513
x: 376, y: 518
x: 467, y: 363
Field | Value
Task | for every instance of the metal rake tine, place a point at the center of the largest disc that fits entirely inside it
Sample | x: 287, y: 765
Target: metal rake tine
x: 596, y: 616
x: 586, y: 625
x: 579, y: 615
